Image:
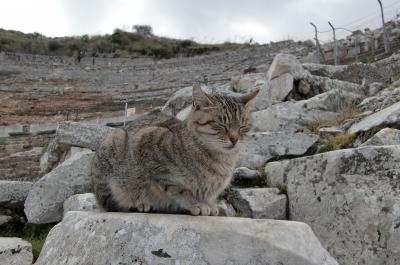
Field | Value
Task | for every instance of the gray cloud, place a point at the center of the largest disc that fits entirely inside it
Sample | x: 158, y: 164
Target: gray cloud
x: 214, y: 20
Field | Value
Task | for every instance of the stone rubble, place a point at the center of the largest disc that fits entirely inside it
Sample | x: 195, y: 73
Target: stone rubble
x: 81, y: 202
x: 263, y: 146
x: 245, y: 173
x: 260, y: 203
x: 15, y: 251
x: 386, y: 136
x: 386, y: 117
x: 44, y: 203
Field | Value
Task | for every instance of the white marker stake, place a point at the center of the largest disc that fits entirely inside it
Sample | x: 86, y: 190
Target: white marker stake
x: 126, y: 112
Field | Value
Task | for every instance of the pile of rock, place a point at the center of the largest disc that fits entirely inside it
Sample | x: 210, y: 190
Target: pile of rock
x: 349, y: 198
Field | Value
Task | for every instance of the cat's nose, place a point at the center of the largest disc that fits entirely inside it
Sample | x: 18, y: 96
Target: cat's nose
x: 233, y: 139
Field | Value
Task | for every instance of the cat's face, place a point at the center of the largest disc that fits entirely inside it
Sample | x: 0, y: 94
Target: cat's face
x: 220, y: 122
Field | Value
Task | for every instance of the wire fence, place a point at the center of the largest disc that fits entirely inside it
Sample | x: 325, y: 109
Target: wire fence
x: 359, y: 46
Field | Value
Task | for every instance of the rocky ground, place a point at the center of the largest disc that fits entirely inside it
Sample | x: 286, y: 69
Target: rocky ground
x: 317, y: 182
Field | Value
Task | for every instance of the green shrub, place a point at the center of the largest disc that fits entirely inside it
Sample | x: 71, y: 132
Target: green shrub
x: 120, y: 43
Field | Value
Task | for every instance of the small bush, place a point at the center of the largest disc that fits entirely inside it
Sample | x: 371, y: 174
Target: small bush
x: 336, y: 142
x: 309, y: 43
x: 54, y: 45
x: 396, y: 77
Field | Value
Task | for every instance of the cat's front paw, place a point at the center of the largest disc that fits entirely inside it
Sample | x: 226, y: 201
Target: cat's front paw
x: 143, y: 208
x: 203, y: 209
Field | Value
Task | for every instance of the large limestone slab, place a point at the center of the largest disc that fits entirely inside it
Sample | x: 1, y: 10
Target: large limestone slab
x: 260, y: 203
x: 280, y: 87
x: 177, y: 239
x: 248, y: 82
x: 351, y: 199
x: 14, y: 193
x: 386, y: 136
x: 15, y: 251
x: 285, y: 64
x: 81, y: 134
x: 387, y: 116
x: 263, y: 146
x: 44, y: 203
x: 295, y: 116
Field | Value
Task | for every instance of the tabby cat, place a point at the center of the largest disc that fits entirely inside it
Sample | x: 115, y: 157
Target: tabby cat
x: 161, y: 164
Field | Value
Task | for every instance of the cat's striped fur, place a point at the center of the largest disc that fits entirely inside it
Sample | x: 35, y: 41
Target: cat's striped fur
x: 161, y: 164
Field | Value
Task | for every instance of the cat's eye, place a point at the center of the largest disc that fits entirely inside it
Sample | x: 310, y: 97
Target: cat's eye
x: 223, y: 127
x: 204, y: 123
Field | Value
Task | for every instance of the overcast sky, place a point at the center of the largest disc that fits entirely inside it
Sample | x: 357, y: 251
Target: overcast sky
x: 201, y: 20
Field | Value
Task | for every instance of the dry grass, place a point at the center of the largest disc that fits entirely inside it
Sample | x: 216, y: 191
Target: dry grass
x: 336, y: 142
x: 346, y: 112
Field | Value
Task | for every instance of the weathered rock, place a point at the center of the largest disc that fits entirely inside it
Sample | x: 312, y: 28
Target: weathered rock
x: 81, y: 202
x: 225, y: 209
x: 295, y: 116
x: 361, y: 73
x: 334, y: 130
x: 81, y: 134
x: 14, y: 193
x: 5, y: 219
x: 374, y: 88
x: 245, y: 173
x: 384, y: 99
x: 387, y: 116
x: 44, y: 203
x: 351, y: 199
x: 324, y: 70
x: 183, y: 114
x: 304, y: 88
x: 74, y: 150
x: 15, y: 251
x: 325, y: 84
x: 386, y: 136
x: 276, y: 175
x: 263, y: 99
x: 246, y: 83
x: 34, y: 152
x: 52, y: 156
x: 280, y: 87
x: 260, y: 203
x: 263, y: 146
x: 285, y: 64
x: 178, y: 239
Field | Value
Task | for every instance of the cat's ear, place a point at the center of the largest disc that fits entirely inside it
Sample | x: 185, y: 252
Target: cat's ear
x: 248, y: 97
x: 200, y: 98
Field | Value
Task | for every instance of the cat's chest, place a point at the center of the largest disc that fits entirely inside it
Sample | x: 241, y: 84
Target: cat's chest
x: 214, y: 180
